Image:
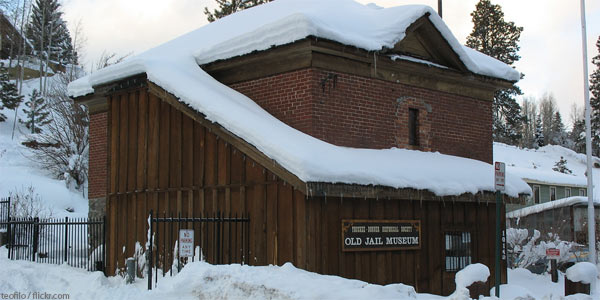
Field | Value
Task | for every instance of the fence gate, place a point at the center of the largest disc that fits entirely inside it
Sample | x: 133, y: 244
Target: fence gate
x: 216, y: 239
x: 78, y: 242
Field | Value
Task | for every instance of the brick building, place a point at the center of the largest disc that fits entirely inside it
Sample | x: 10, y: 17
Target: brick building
x: 169, y: 137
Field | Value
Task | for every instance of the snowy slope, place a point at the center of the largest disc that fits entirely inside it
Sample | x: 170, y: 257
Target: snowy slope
x: 173, y: 66
x: 18, y: 172
x: 537, y: 164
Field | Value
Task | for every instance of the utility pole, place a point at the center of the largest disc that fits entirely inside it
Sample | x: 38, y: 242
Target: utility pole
x: 588, y: 147
x: 440, y: 8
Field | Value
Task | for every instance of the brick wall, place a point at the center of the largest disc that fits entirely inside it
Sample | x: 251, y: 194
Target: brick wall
x: 98, y: 136
x: 355, y: 111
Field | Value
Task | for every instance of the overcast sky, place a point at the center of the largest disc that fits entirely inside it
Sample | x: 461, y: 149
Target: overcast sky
x: 551, y: 55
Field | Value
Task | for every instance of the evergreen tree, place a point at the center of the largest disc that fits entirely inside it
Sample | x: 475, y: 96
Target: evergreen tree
x: 493, y: 36
x: 48, y: 32
x: 558, y: 130
x: 36, y: 111
x: 227, y: 7
x: 561, y: 166
x: 595, y: 102
x: 577, y: 135
x: 538, y: 137
x: 8, y: 93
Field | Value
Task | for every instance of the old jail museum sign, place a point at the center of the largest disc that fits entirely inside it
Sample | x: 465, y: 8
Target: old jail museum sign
x: 380, y: 235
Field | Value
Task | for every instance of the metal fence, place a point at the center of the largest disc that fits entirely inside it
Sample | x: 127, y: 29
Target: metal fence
x: 217, y: 239
x: 4, y: 213
x: 78, y: 242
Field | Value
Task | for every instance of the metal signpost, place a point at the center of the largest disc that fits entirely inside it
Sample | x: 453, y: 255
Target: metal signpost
x: 553, y: 255
x: 499, y: 181
x: 186, y: 243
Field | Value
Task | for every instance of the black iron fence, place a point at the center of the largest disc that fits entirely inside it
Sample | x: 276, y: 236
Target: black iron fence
x: 78, y: 242
x: 4, y: 213
x: 217, y: 239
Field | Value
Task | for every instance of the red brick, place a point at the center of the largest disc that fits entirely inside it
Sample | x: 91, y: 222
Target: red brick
x: 363, y: 112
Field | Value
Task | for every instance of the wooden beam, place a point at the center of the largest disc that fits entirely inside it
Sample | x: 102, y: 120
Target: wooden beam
x: 229, y: 137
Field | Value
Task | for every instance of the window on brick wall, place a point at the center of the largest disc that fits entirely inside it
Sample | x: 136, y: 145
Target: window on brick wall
x: 413, y: 126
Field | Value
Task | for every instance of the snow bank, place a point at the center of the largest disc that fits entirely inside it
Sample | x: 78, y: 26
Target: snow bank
x: 536, y: 164
x: 471, y: 274
x: 174, y: 67
x: 584, y: 272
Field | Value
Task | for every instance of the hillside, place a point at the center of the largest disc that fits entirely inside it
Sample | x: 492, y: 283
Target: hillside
x: 537, y: 164
x: 19, y: 173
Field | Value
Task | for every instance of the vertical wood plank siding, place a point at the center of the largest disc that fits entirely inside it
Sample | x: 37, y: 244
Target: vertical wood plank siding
x: 162, y: 160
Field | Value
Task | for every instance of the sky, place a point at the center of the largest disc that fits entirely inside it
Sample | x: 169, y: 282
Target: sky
x: 551, y: 52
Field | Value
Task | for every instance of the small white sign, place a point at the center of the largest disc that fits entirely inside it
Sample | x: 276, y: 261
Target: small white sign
x: 499, y: 175
x: 186, y: 242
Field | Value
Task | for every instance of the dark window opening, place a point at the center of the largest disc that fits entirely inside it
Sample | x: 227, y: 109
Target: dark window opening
x: 552, y: 193
x: 458, y: 250
x: 413, y: 127
x: 536, y: 194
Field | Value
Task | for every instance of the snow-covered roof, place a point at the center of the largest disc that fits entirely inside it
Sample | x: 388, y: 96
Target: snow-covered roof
x: 534, y: 209
x: 536, y: 165
x: 174, y: 67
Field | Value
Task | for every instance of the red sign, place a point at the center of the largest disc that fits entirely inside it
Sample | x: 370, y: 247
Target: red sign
x: 553, y: 253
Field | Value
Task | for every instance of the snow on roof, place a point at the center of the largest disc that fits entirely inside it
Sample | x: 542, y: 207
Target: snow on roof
x: 174, y: 67
x: 534, y: 209
x: 536, y: 164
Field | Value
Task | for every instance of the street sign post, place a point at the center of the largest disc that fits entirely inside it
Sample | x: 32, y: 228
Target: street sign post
x: 499, y: 184
x: 553, y: 255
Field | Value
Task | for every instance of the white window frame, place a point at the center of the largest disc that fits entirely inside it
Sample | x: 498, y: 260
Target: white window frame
x: 567, y: 192
x: 552, y: 188
x: 583, y: 192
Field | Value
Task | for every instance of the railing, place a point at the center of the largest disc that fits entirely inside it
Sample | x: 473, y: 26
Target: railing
x: 78, y: 242
x: 217, y: 239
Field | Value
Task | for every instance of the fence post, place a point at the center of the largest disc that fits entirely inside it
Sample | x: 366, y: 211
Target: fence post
x: 36, y: 233
x: 149, y: 252
x: 9, y: 232
x: 66, y: 236
x: 104, y: 245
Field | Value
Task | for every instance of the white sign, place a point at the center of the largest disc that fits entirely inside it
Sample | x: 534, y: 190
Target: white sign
x: 186, y: 242
x: 499, y: 175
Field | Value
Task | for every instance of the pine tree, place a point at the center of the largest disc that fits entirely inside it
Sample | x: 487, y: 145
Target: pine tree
x: 538, y: 137
x: 227, y: 7
x: 493, y: 36
x: 577, y: 135
x: 561, y: 166
x: 36, y: 111
x: 595, y: 102
x: 48, y: 32
x: 558, y: 130
x: 8, y: 93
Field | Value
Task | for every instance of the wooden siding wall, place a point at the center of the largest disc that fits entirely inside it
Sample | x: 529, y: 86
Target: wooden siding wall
x: 162, y: 160
x: 422, y: 269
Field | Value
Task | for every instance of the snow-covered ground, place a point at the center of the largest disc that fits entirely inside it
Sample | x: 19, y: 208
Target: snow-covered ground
x: 18, y: 172
x: 537, y: 164
x: 200, y: 280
